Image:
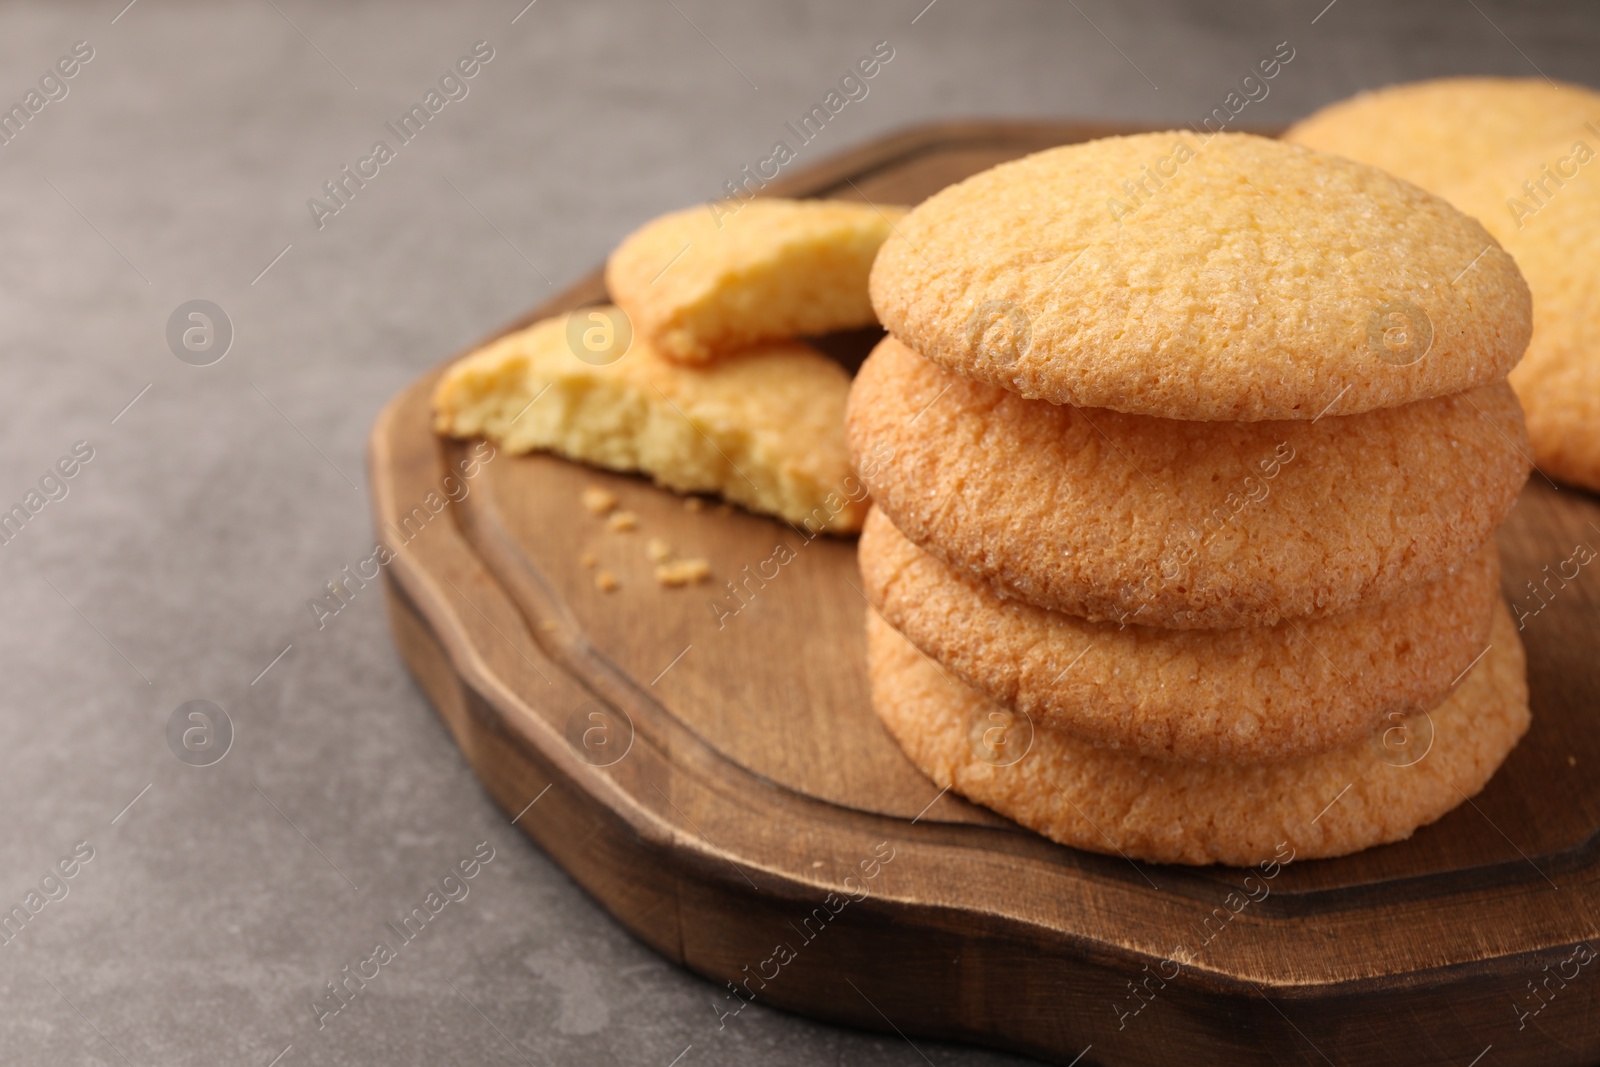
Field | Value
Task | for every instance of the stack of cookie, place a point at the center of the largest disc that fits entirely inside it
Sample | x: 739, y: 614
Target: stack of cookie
x: 1185, y: 548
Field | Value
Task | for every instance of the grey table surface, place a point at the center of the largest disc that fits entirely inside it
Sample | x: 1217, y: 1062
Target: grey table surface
x: 220, y: 899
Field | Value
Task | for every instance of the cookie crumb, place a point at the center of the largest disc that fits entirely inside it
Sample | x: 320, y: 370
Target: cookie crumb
x: 694, y: 503
x: 588, y: 559
x: 657, y: 550
x: 622, y: 520
x: 683, y: 572
x: 598, y: 500
x: 606, y: 582
x: 549, y: 626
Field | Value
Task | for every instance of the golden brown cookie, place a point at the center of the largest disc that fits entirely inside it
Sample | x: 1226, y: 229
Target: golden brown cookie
x: 1127, y: 518
x: 1544, y: 206
x: 1375, y: 791
x: 764, y: 429
x: 1231, y: 278
x: 1234, y: 696
x: 1441, y: 132
x: 714, y: 278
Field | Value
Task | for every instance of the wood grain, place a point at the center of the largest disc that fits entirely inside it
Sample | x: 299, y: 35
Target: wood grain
x: 712, y: 776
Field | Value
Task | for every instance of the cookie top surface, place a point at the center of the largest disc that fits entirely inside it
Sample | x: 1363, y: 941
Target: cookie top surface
x: 1330, y: 804
x: 1161, y: 522
x: 1229, y: 278
x: 708, y: 280
x: 1441, y: 132
x: 1235, y: 696
x: 1544, y: 206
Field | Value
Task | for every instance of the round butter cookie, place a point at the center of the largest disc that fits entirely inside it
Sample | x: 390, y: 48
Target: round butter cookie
x: 1544, y: 206
x: 1370, y: 793
x: 1234, y: 696
x: 1161, y: 522
x: 1230, y: 278
x: 1441, y: 132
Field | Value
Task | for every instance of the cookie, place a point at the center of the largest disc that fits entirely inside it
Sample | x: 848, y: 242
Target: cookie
x: 1544, y: 206
x: 1230, y: 278
x: 715, y: 278
x: 1234, y: 696
x: 764, y: 429
x: 1161, y: 522
x: 1370, y: 793
x: 1438, y: 133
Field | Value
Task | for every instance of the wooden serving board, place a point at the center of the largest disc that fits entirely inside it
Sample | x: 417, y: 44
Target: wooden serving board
x: 718, y: 782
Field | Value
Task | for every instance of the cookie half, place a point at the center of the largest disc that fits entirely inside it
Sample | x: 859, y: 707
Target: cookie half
x: 712, y: 279
x: 763, y: 428
x: 1161, y: 522
x: 1225, y: 278
x: 1441, y: 132
x: 1544, y: 206
x: 1234, y: 696
x: 1369, y: 793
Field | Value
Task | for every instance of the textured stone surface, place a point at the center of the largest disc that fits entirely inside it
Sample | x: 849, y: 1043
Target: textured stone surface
x: 205, y: 922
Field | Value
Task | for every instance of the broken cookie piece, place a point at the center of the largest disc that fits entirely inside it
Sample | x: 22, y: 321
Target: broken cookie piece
x: 709, y: 280
x: 671, y: 571
x: 682, y: 572
x: 597, y: 500
x: 764, y: 429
